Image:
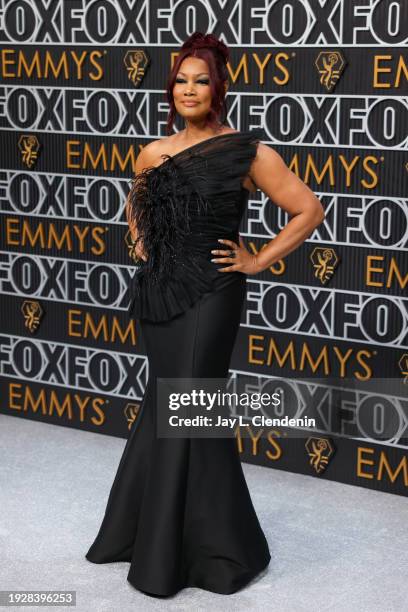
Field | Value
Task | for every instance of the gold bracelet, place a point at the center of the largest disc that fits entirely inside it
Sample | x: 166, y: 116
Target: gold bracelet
x: 132, y: 252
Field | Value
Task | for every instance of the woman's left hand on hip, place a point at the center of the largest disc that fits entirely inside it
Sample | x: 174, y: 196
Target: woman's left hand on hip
x: 238, y: 256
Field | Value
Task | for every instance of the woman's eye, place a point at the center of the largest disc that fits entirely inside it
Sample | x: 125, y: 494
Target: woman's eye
x: 202, y: 81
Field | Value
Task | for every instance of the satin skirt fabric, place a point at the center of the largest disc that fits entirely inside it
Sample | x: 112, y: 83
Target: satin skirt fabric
x: 179, y: 509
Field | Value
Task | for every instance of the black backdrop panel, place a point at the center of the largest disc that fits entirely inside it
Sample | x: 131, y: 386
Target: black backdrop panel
x: 82, y: 90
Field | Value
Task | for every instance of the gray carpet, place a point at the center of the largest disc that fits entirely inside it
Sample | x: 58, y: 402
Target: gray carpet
x: 333, y: 546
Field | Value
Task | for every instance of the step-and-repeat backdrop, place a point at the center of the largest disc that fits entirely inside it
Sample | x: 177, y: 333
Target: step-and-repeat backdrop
x: 82, y: 90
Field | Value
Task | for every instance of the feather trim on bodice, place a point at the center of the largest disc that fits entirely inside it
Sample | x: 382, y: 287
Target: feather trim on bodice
x: 180, y: 209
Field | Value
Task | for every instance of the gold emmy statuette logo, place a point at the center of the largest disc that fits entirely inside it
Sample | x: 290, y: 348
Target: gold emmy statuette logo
x: 403, y: 366
x: 29, y: 147
x: 131, y: 411
x: 330, y: 65
x: 324, y: 260
x: 319, y: 450
x: 136, y: 62
x: 32, y: 313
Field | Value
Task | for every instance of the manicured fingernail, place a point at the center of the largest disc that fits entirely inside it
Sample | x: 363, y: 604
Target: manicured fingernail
x: 213, y: 260
x: 220, y: 240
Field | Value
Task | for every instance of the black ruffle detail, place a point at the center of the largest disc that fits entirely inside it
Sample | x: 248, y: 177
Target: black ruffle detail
x: 179, y: 221
x: 163, y: 301
x: 162, y: 206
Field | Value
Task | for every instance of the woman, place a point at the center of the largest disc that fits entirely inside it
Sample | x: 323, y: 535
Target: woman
x: 179, y: 509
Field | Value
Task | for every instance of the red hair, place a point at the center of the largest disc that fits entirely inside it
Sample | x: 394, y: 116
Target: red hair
x: 216, y: 54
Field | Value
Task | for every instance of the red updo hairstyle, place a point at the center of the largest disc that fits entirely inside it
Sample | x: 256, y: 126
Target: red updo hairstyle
x: 213, y: 51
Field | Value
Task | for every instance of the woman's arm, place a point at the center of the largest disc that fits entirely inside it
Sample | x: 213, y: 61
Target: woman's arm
x: 272, y: 176
x: 137, y: 245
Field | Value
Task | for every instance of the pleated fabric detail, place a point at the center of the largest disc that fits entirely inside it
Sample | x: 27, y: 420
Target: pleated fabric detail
x: 181, y: 208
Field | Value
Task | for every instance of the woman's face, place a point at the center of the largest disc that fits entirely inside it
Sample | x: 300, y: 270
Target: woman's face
x: 191, y: 91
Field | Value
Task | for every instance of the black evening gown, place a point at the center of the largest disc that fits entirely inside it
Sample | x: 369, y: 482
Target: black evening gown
x: 179, y: 509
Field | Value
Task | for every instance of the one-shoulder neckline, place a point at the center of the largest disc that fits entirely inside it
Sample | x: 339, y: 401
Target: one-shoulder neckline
x: 197, y: 144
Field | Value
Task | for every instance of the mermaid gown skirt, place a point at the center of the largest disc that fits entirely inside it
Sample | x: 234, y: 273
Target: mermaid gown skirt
x: 179, y: 510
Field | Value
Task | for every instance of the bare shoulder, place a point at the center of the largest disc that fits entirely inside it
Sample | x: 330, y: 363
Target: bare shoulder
x: 266, y: 163
x: 266, y: 156
x: 149, y: 155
